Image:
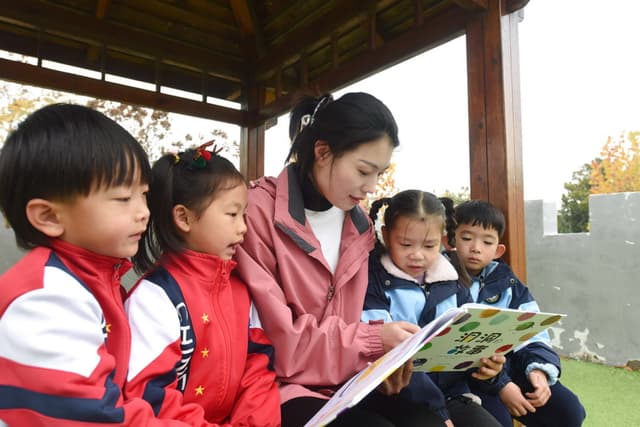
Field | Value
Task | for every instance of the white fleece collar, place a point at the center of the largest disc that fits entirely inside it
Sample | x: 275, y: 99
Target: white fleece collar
x: 441, y: 270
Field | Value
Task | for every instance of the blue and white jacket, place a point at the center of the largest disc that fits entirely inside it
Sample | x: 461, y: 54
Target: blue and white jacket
x: 497, y: 286
x: 393, y: 295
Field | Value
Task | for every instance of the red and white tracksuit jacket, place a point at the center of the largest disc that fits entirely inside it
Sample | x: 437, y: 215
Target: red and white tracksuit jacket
x: 65, y: 341
x: 196, y: 338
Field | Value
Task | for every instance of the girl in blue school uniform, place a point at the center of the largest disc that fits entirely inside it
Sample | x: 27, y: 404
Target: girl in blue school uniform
x: 410, y: 280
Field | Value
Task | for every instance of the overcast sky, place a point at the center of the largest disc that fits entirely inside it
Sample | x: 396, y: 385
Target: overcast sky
x: 579, y: 83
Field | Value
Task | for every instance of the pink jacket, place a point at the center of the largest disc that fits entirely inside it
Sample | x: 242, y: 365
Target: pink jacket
x: 311, y: 315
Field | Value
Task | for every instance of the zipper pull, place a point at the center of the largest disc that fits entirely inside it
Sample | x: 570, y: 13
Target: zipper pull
x: 332, y: 290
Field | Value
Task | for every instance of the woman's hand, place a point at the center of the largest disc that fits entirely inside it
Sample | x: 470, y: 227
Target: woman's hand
x: 397, y: 380
x: 393, y: 333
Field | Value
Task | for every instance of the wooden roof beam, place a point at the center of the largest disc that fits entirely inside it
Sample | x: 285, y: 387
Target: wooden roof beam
x: 57, y: 20
x: 437, y: 30
x: 58, y: 80
x: 510, y: 6
x: 94, y: 52
x: 101, y: 8
x: 323, y: 27
x: 245, y: 13
x: 472, y: 4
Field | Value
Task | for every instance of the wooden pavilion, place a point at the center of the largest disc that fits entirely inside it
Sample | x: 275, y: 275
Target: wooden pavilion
x: 265, y: 54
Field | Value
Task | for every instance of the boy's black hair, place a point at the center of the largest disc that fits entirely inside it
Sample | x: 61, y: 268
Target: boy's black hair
x: 344, y: 124
x: 58, y: 153
x: 408, y: 203
x: 177, y: 180
x: 476, y: 212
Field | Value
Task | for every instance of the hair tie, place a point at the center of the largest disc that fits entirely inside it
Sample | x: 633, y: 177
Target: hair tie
x: 200, y: 155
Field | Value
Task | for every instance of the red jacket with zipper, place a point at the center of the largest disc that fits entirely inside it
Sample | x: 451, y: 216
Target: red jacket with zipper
x: 196, y: 338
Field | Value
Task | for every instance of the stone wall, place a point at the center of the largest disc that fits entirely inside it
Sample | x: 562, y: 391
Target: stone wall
x: 592, y: 277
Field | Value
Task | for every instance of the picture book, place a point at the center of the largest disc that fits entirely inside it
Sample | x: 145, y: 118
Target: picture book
x: 478, y: 332
x: 454, y: 341
x: 361, y: 384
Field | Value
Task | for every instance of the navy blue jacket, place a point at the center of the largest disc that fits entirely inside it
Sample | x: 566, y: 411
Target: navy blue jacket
x: 498, y: 286
x: 393, y: 295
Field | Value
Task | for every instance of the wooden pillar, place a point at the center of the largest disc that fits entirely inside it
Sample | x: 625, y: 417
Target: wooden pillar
x: 495, y: 137
x: 252, y: 138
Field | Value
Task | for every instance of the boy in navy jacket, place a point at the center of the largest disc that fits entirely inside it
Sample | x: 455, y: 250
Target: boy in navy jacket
x: 528, y: 388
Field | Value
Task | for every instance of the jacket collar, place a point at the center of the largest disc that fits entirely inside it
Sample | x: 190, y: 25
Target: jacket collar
x: 207, y: 268
x: 296, y: 201
x: 440, y: 271
x: 487, y: 270
x: 86, y: 262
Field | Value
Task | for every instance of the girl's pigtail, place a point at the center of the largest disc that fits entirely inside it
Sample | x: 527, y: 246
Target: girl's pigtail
x: 160, y: 228
x: 463, y: 275
x: 450, y: 219
x: 450, y: 228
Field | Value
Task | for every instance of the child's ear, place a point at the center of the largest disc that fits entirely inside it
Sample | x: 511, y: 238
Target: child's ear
x: 500, y: 250
x: 321, y: 151
x: 446, y: 243
x: 182, y: 218
x: 43, y: 216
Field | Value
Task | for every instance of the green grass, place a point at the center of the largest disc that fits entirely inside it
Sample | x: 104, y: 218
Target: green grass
x: 610, y: 395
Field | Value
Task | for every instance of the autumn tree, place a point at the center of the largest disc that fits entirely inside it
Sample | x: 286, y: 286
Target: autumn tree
x: 386, y: 187
x: 458, y: 197
x: 17, y: 101
x: 616, y: 170
x: 573, y: 216
x: 618, y: 167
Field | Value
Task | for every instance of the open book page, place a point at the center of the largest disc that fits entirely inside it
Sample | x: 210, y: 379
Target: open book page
x: 481, y: 331
x: 361, y: 384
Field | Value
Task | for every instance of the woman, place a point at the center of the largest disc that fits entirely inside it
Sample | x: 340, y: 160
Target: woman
x: 305, y: 258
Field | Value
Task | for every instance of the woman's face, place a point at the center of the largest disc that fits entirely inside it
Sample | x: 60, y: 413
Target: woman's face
x: 346, y: 180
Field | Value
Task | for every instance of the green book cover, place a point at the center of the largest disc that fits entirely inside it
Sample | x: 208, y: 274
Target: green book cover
x: 480, y: 331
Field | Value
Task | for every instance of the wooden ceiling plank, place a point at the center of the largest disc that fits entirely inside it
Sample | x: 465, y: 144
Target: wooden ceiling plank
x: 215, y: 23
x: 75, y: 25
x: 438, y: 29
x: 242, y: 16
x: 472, y: 4
x: 114, y: 63
x: 417, y: 6
x: 94, y: 52
x: 511, y: 6
x: 245, y: 14
x: 42, y: 77
x: 101, y: 8
x: 303, y: 38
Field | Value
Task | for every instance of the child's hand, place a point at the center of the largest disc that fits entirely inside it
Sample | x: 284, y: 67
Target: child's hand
x: 393, y: 333
x: 516, y: 403
x: 449, y: 423
x: 491, y: 367
x: 542, y: 392
x: 397, y: 380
